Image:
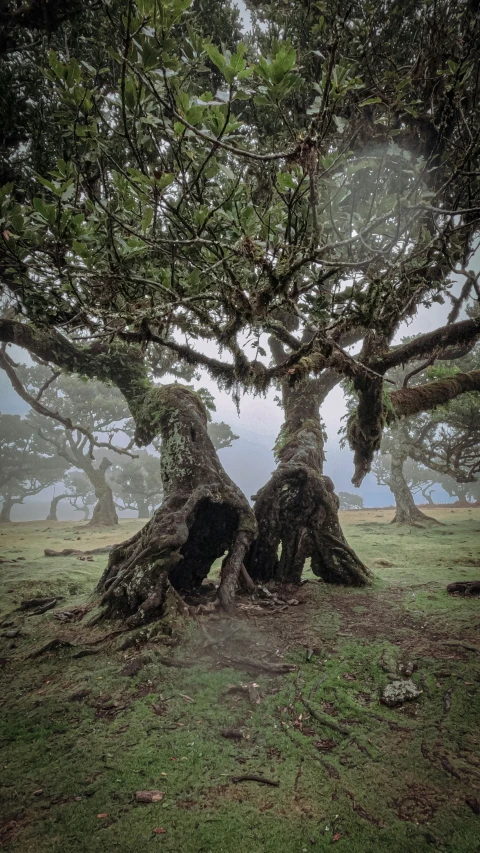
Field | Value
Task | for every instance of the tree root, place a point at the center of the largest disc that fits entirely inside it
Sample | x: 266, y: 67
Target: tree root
x: 465, y: 588
x: 260, y: 779
x: 297, y: 517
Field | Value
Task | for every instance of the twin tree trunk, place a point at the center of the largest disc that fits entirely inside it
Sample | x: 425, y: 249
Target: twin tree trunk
x: 203, y: 516
x: 297, y: 510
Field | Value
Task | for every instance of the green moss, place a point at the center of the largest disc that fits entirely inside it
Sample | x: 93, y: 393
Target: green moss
x: 382, y: 787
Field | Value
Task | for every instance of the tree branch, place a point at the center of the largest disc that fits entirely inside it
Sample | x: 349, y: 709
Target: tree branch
x: 410, y: 401
x: 465, y: 332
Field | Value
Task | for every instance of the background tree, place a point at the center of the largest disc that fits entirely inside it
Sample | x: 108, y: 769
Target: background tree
x: 349, y: 501
x: 78, y: 490
x: 136, y: 484
x: 76, y: 418
x: 446, y: 440
x: 27, y: 463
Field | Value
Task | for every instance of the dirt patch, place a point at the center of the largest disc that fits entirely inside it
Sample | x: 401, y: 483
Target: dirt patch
x: 419, y: 805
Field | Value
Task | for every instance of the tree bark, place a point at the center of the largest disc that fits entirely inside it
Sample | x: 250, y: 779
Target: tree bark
x: 6, y: 510
x: 407, y: 512
x: 143, y: 509
x: 104, y: 512
x: 297, y: 510
x: 203, y: 516
x: 52, y: 515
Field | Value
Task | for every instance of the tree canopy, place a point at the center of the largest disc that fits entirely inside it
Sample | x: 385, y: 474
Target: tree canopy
x: 317, y: 182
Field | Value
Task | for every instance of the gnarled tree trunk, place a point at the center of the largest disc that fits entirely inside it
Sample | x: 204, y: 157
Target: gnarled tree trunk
x: 297, y: 510
x: 104, y: 512
x: 203, y: 516
x: 407, y: 512
x: 52, y: 515
x: 7, y: 505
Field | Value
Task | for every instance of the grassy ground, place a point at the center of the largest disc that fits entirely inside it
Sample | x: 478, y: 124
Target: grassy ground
x: 79, y: 736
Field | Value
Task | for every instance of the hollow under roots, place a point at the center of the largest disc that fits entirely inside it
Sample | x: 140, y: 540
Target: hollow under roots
x: 176, y: 549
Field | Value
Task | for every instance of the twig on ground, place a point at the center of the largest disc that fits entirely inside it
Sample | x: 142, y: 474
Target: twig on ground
x: 260, y: 779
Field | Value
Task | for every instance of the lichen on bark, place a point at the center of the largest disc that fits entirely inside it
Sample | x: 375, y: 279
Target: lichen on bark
x: 297, y: 510
x: 203, y: 517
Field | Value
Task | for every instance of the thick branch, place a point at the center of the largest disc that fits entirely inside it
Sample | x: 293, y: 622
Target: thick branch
x: 410, y: 401
x: 465, y: 332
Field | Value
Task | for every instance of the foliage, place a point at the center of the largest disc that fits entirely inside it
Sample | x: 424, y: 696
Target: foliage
x: 349, y: 501
x: 27, y: 462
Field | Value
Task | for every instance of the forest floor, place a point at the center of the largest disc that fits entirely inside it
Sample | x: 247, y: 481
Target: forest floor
x: 192, y: 709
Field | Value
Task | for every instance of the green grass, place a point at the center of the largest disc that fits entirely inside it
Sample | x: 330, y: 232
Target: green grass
x: 395, y: 782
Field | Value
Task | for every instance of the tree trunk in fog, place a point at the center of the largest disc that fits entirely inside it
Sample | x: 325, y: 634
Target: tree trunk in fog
x: 202, y: 516
x: 52, y: 515
x: 407, y: 512
x: 143, y: 509
x: 297, y: 510
x: 7, y: 505
x: 104, y: 512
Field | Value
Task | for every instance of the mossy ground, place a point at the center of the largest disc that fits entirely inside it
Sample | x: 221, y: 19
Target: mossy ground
x: 78, y: 738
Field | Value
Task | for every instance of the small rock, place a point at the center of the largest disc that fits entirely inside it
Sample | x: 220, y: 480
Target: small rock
x: 134, y: 666
x: 407, y: 668
x: 149, y: 796
x: 398, y: 692
x: 232, y: 734
x: 13, y: 633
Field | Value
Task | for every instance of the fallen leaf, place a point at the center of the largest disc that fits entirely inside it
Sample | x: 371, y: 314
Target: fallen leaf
x: 149, y: 796
x: 160, y: 830
x: 104, y: 814
x: 337, y: 836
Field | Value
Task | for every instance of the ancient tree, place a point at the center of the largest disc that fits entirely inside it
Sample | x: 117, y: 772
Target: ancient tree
x: 313, y: 192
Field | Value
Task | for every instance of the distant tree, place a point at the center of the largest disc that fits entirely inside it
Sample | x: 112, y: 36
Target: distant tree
x: 465, y: 493
x: 78, y: 420
x: 78, y: 491
x: 349, y: 501
x: 137, y: 483
x: 27, y: 463
x: 441, y: 442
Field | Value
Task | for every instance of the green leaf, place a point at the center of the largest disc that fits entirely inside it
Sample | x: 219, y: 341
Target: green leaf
x: 370, y: 101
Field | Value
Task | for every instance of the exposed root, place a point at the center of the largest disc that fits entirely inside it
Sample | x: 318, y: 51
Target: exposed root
x: 297, y: 515
x: 173, y: 554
